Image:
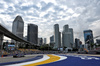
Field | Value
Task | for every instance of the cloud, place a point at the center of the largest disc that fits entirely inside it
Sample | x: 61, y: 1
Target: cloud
x: 25, y: 8
x: 95, y: 27
x: 36, y: 7
x: 79, y: 14
x: 46, y: 6
x: 8, y: 1
x: 1, y: 5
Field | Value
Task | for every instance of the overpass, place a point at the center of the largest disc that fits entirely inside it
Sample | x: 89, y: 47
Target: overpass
x: 5, y: 32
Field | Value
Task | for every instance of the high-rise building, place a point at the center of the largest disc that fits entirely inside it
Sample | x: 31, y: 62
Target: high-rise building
x: 71, y: 37
x: 56, y: 36
x: 98, y: 41
x: 18, y: 27
x: 60, y: 40
x: 52, y: 41
x: 25, y: 38
x: 88, y: 37
x: 77, y: 43
x: 66, y: 37
x: 32, y: 34
x: 45, y: 41
x: 40, y: 41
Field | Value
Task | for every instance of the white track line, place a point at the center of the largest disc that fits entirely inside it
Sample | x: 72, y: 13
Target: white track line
x: 61, y: 57
x: 45, y: 57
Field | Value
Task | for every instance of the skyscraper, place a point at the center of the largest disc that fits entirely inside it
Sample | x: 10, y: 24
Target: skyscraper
x: 56, y: 36
x: 25, y: 38
x: 66, y: 37
x: 52, y: 41
x: 71, y: 37
x: 32, y: 34
x: 98, y: 41
x: 60, y: 40
x: 77, y: 43
x: 18, y: 26
x: 40, y: 41
x: 88, y: 37
x: 45, y: 41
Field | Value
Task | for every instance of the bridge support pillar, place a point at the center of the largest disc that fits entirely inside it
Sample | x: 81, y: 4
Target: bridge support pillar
x: 1, y: 41
x: 21, y: 44
x: 24, y: 44
x: 16, y: 45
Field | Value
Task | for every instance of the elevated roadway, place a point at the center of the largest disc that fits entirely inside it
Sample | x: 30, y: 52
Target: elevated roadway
x: 6, y: 32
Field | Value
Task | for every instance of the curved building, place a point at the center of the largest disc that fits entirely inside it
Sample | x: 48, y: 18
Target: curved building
x: 18, y: 26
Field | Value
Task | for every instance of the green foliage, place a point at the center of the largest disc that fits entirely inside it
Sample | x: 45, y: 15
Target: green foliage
x: 45, y: 47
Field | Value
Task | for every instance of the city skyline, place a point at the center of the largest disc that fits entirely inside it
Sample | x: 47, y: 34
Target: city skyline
x: 46, y: 13
x: 49, y: 32
x: 19, y: 18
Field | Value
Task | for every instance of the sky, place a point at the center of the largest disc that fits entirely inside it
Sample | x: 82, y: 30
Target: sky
x: 78, y: 14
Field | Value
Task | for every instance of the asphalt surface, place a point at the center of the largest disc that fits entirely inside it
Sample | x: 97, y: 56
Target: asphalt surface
x: 76, y: 60
x: 11, y: 59
x: 71, y: 60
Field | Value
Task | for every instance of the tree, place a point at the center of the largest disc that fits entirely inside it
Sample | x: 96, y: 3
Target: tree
x: 45, y: 47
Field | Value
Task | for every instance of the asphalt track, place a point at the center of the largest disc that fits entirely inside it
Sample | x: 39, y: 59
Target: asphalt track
x: 59, y: 60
